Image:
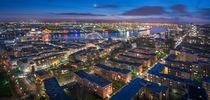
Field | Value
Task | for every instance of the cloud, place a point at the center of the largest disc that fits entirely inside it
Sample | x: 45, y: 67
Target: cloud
x: 146, y: 11
x: 80, y: 14
x: 179, y: 8
x: 107, y: 6
x: 205, y: 11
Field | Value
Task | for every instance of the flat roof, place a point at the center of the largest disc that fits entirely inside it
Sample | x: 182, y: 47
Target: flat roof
x: 203, y: 56
x: 172, y: 57
x: 142, y: 49
x: 123, y: 71
x: 201, y: 62
x: 41, y: 72
x: 137, y: 58
x: 206, y: 79
x: 92, y: 78
x: 130, y: 90
x: 125, y: 62
x: 53, y: 90
x: 159, y: 68
x: 150, y: 54
x: 196, y: 93
x: 197, y: 50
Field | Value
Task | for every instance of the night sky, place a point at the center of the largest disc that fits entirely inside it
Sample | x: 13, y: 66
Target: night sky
x: 197, y: 11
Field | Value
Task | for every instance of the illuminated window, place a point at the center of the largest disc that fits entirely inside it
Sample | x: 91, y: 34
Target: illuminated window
x: 164, y: 94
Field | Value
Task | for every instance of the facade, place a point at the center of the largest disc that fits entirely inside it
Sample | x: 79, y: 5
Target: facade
x: 185, y: 55
x: 108, y: 47
x: 49, y: 60
x: 90, y: 53
x: 142, y: 50
x: 139, y: 88
x: 123, y: 75
x: 199, y: 67
x: 144, y: 61
x: 134, y: 67
x: 151, y: 56
x: 100, y: 86
x: 178, y: 78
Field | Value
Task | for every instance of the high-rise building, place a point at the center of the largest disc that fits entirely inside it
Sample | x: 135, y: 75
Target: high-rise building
x: 193, y: 30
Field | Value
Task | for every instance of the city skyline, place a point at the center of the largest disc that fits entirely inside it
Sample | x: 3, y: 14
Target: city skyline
x: 179, y: 11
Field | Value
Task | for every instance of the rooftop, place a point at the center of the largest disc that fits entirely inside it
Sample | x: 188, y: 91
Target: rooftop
x: 206, y: 79
x: 92, y: 78
x: 159, y: 68
x: 41, y: 72
x: 150, y: 54
x: 143, y: 49
x: 137, y: 58
x: 201, y: 62
x: 125, y: 62
x: 53, y: 90
x: 123, y: 71
x: 197, y: 93
x: 172, y: 57
x: 134, y: 86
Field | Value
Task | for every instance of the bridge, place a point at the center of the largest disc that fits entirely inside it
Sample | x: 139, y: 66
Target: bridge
x: 91, y: 36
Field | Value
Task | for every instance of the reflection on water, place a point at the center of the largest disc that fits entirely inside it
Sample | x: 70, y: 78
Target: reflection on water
x: 82, y: 36
x: 122, y: 35
x: 157, y: 29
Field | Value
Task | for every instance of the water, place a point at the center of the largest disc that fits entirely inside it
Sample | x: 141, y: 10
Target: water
x: 82, y: 36
x: 104, y: 35
x: 157, y: 29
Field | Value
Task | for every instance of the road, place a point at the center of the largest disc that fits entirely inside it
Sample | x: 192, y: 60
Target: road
x: 180, y: 40
x: 144, y: 74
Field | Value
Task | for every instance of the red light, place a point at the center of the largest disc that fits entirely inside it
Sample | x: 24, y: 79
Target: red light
x: 65, y: 36
x: 29, y: 83
x: 5, y: 63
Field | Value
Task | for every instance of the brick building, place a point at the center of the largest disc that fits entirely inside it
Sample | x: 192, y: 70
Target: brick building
x: 123, y: 75
x: 100, y: 86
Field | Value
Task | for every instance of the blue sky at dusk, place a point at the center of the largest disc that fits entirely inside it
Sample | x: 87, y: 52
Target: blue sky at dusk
x: 117, y: 10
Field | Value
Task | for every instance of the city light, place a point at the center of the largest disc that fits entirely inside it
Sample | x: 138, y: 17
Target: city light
x: 104, y: 50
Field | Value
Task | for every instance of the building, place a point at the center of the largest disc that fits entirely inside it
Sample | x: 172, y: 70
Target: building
x: 123, y: 75
x: 151, y: 56
x: 195, y: 93
x: 53, y: 90
x: 142, y: 50
x: 199, y: 68
x: 144, y: 61
x: 110, y: 46
x: 184, y: 55
x: 139, y: 88
x: 134, y: 67
x: 42, y: 74
x: 193, y: 30
x: 206, y: 85
x: 85, y: 55
x: 100, y: 86
x: 171, y: 76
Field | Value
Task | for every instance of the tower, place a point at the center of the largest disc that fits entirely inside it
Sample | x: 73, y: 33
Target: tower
x: 193, y: 30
